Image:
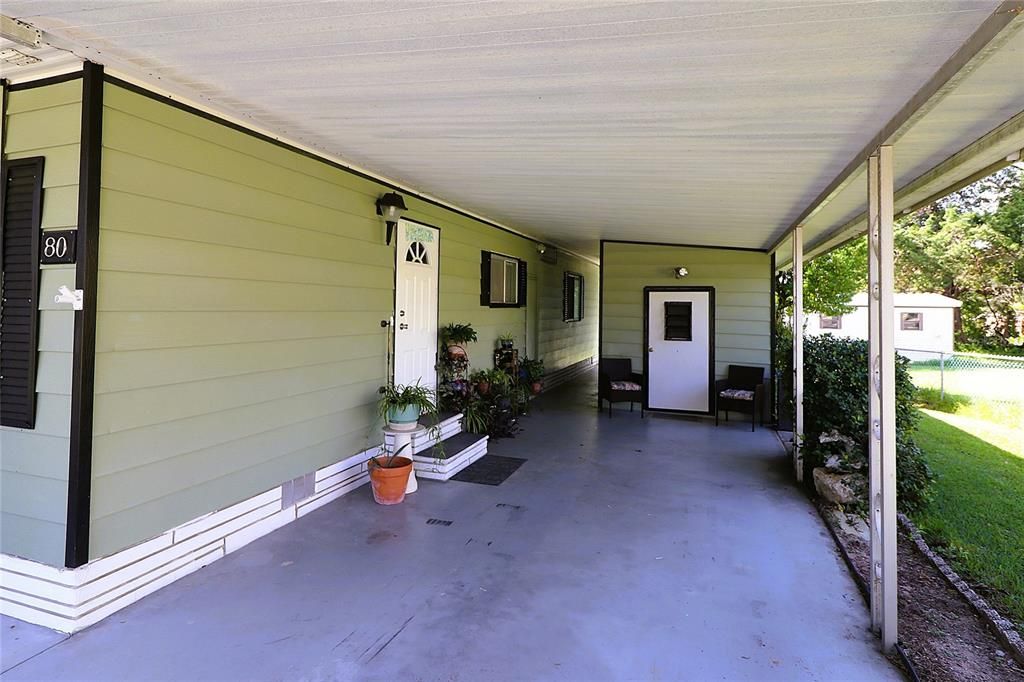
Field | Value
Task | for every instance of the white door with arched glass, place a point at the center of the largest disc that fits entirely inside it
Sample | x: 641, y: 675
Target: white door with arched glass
x: 416, y: 279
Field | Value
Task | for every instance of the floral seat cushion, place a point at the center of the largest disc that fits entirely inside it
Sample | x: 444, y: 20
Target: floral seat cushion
x: 737, y: 394
x: 626, y: 386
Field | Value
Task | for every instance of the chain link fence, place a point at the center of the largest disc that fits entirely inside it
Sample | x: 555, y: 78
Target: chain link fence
x: 998, y: 378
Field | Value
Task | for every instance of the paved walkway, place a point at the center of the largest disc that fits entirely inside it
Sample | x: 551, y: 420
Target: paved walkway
x: 662, y: 549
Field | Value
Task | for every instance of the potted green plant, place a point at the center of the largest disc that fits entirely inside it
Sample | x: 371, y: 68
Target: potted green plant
x: 533, y: 374
x: 476, y: 415
x: 389, y: 476
x: 506, y: 341
x: 488, y: 380
x: 455, y: 336
x: 402, y: 406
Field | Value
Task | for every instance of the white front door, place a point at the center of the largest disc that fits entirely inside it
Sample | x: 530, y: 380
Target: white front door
x: 679, y: 341
x: 416, y: 269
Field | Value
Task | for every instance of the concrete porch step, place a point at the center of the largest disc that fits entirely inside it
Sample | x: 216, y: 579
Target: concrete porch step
x: 459, y: 450
x: 449, y: 424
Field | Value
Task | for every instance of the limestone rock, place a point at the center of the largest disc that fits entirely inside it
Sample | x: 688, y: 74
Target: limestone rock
x: 839, y: 488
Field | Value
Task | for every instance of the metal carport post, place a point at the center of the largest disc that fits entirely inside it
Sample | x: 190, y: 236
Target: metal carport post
x: 882, y: 401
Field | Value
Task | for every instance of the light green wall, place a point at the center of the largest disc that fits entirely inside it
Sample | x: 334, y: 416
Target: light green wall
x: 241, y: 290
x: 44, y: 122
x: 562, y: 344
x: 742, y: 298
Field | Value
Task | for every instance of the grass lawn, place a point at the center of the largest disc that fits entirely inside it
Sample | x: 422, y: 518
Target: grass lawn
x: 976, y: 515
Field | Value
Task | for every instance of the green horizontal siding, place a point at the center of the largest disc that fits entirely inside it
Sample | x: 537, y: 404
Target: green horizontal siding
x: 44, y: 122
x: 742, y: 298
x: 241, y: 290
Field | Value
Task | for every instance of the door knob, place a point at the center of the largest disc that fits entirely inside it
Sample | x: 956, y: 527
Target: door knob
x: 403, y: 326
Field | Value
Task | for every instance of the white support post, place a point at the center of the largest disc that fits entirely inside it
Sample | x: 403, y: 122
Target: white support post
x: 882, y: 402
x: 798, y: 351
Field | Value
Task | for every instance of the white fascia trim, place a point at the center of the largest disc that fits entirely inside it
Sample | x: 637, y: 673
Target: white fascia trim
x: 248, y: 124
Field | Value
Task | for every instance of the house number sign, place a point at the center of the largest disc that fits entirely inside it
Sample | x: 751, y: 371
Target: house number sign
x: 57, y: 246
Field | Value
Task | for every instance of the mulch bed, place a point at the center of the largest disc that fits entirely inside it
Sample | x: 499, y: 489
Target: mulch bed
x: 943, y: 636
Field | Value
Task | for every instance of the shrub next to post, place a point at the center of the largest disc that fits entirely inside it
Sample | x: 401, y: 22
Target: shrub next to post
x: 836, y: 401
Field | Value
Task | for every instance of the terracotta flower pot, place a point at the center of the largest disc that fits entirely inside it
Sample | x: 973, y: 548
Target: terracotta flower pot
x: 536, y: 387
x: 388, y: 483
x: 484, y: 388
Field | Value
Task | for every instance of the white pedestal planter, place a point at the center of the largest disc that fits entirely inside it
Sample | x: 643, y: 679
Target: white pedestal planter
x: 400, y: 438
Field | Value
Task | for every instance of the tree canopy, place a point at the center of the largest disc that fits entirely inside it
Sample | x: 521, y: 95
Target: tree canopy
x: 968, y: 245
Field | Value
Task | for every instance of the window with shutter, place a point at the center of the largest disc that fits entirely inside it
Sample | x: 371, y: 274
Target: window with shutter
x: 572, y: 297
x: 502, y: 281
x: 19, y: 289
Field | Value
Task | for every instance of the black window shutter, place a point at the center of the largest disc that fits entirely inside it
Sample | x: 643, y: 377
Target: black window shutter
x: 22, y: 194
x: 566, y: 297
x: 485, y: 278
x: 582, y: 307
x: 521, y: 301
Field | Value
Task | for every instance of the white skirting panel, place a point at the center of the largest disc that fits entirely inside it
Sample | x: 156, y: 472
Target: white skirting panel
x: 71, y: 599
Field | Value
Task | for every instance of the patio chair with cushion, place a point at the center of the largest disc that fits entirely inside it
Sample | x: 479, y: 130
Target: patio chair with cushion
x: 618, y: 383
x: 743, y: 391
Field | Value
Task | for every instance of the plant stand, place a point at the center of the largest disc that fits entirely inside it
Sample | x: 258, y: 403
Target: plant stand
x: 402, y: 439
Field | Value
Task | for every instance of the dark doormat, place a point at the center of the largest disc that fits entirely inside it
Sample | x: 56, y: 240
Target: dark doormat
x: 489, y: 470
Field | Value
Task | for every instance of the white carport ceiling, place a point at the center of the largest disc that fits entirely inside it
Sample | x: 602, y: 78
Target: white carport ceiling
x: 697, y: 122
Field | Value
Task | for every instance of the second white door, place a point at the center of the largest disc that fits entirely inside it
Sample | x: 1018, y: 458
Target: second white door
x: 416, y: 274
x: 679, y: 349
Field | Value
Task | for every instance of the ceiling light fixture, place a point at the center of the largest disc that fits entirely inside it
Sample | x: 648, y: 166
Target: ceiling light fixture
x: 681, y: 272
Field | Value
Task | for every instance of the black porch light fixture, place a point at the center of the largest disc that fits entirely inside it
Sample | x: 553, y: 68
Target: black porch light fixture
x: 391, y: 206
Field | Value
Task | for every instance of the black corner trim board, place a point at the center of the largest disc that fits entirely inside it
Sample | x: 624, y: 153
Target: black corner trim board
x: 21, y: 199
x: 76, y: 551
x: 773, y: 341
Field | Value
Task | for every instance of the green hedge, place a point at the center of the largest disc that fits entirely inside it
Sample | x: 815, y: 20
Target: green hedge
x: 836, y: 399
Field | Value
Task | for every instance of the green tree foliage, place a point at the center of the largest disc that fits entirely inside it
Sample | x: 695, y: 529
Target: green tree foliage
x: 972, y: 251
x: 968, y: 245
x: 830, y: 280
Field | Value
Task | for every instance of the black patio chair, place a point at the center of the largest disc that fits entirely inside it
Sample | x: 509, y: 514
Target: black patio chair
x: 618, y: 383
x: 743, y: 391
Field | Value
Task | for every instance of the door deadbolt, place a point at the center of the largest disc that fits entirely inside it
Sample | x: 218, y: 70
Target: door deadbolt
x: 651, y: 349
x: 401, y: 313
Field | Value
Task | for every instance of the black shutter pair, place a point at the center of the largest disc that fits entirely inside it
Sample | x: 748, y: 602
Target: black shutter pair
x: 566, y: 297
x: 485, y: 278
x: 22, y: 200
x: 485, y: 283
x: 522, y: 285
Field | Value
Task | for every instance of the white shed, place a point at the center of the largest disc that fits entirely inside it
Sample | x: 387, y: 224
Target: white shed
x: 924, y: 324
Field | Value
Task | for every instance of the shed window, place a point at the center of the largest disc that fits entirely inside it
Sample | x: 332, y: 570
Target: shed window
x: 911, y: 322
x: 19, y: 290
x: 502, y: 281
x: 572, y: 297
x: 830, y: 321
